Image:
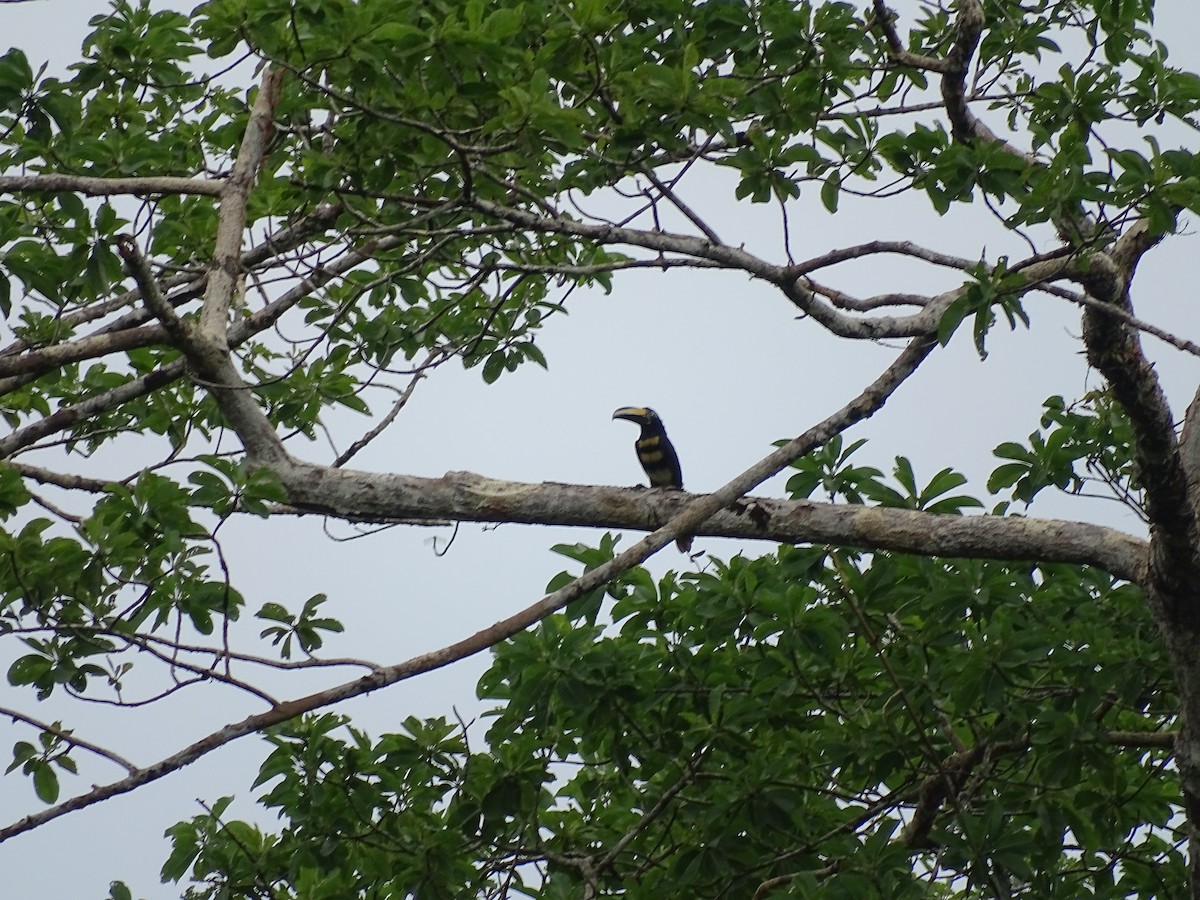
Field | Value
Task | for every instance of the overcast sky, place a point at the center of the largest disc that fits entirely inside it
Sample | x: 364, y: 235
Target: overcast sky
x: 723, y: 360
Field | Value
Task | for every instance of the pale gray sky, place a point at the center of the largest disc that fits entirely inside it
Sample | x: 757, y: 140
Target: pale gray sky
x: 739, y: 372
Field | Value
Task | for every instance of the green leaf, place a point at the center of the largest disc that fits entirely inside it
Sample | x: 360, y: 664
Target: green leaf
x: 185, y: 847
x: 959, y: 309
x: 29, y: 669
x: 15, y: 75
x: 831, y: 189
x: 45, y: 782
x: 22, y: 752
x: 274, y: 612
x: 493, y: 367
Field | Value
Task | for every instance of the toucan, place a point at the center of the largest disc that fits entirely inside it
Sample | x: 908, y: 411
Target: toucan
x: 656, y: 454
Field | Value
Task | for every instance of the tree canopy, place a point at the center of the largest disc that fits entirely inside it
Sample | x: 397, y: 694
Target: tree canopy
x: 223, y: 229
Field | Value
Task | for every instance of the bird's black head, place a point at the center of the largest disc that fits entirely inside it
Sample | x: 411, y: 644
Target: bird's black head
x: 642, y: 415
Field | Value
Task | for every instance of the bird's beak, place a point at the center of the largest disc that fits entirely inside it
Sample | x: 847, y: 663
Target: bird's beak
x: 633, y: 413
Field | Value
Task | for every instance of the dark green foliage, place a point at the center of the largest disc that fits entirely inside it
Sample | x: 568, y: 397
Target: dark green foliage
x: 775, y: 715
x: 1089, y: 442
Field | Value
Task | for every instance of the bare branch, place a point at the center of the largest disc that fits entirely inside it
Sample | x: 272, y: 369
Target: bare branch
x: 900, y: 248
x: 401, y: 401
x: 659, y: 241
x: 1122, y: 314
x: 231, y: 222
x: 371, y: 498
x: 60, y: 479
x: 679, y: 204
x: 179, y: 330
x: 1141, y: 740
x: 1038, y: 270
x: 107, y: 187
x: 203, y: 673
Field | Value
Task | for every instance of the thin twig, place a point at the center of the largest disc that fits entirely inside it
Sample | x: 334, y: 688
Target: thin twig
x: 70, y: 738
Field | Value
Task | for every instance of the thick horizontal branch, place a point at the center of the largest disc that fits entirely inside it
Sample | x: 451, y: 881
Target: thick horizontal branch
x: 107, y: 187
x: 67, y: 481
x: 46, y: 359
x: 468, y: 497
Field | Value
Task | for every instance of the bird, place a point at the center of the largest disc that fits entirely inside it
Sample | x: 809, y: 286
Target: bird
x: 656, y: 454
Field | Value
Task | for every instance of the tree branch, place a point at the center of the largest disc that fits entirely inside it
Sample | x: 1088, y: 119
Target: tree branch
x: 1189, y: 452
x: 896, y: 49
x: 654, y: 812
x: 658, y: 241
x: 63, y: 480
x: 1114, y: 348
x: 68, y: 736
x: 464, y: 496
x: 211, y: 361
x: 231, y: 221
x: 791, y: 280
x: 965, y: 126
x: 968, y: 26
x: 45, y: 359
x: 179, y: 330
x: 66, y: 417
x: 106, y: 187
x: 283, y: 240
